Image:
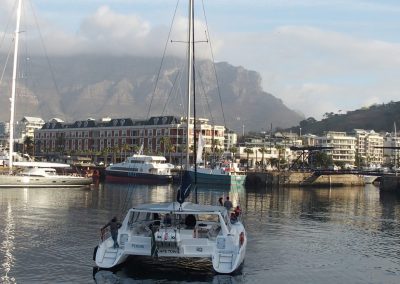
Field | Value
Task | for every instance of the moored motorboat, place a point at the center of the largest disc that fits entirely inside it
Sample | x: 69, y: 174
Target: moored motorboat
x: 34, y: 174
x: 219, y: 175
x: 141, y: 168
x: 184, y: 230
x: 43, y: 177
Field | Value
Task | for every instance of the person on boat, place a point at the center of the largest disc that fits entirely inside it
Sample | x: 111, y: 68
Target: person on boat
x: 167, y: 219
x: 234, y: 218
x: 114, y: 226
x: 228, y: 204
x: 220, y: 201
x: 190, y: 221
x: 237, y: 211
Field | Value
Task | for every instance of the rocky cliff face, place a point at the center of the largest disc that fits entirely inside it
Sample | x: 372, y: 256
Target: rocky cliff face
x: 89, y: 86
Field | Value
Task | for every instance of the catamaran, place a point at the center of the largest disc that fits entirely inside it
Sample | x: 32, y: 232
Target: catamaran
x: 178, y: 229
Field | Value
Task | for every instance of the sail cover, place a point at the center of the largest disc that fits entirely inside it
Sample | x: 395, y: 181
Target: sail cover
x: 200, y: 147
x: 185, y: 188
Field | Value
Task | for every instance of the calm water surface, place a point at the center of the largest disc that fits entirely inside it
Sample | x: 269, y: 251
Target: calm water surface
x: 340, y: 235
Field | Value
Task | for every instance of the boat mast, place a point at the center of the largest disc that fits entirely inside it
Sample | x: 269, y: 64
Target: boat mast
x: 189, y: 78
x: 13, y: 88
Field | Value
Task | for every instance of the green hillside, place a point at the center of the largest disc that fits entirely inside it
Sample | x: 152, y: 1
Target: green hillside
x: 376, y: 117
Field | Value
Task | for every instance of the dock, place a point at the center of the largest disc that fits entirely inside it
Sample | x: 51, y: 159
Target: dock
x: 305, y: 179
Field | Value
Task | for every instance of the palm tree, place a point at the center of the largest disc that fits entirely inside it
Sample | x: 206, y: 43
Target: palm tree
x: 105, y: 153
x: 28, y: 145
x: 262, y: 150
x: 233, y: 150
x: 248, y: 151
x: 170, y: 149
x: 125, y: 148
x: 135, y: 148
x: 166, y: 142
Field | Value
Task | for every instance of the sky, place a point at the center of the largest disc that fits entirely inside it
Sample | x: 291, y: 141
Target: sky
x: 317, y: 56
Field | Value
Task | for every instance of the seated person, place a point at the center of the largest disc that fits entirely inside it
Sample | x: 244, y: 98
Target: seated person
x: 237, y: 211
x: 156, y: 219
x: 233, y: 218
x: 190, y: 221
x: 167, y: 219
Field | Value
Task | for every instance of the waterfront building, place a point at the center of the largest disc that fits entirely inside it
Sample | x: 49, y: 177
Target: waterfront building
x: 165, y: 135
x: 390, y: 155
x: 230, y: 139
x: 343, y: 147
x: 4, y: 134
x: 26, y: 127
x: 309, y: 140
x: 369, y: 150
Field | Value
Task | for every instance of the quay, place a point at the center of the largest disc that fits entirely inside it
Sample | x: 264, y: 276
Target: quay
x: 305, y: 178
x: 390, y: 183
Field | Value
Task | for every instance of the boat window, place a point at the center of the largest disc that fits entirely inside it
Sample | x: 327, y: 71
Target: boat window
x: 138, y: 216
x: 137, y: 162
x: 208, y: 217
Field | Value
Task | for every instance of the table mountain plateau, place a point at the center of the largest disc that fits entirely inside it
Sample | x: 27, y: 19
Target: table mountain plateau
x: 79, y: 87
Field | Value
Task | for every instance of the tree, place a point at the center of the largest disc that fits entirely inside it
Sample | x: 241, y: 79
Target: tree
x: 262, y: 150
x: 233, y: 150
x: 125, y: 148
x: 248, y: 151
x: 28, y: 145
x: 321, y: 159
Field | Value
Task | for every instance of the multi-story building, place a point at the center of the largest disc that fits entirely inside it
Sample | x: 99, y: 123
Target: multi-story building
x: 26, y: 127
x: 369, y: 149
x: 391, y: 155
x: 230, y: 140
x: 343, y: 147
x: 164, y: 134
x: 4, y: 134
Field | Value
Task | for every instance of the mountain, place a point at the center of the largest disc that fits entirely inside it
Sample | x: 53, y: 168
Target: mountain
x: 380, y: 118
x: 79, y: 87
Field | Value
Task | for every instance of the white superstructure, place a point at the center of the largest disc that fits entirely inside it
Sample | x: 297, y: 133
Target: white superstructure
x: 173, y: 230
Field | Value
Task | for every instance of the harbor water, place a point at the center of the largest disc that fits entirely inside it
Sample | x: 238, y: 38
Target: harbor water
x: 295, y: 235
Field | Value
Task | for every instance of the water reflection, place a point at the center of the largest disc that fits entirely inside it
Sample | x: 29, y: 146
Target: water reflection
x: 7, y: 245
x: 295, y: 235
x: 172, y: 270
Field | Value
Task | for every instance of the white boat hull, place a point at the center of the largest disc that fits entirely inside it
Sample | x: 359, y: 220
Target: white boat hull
x: 37, y: 181
x: 224, y: 246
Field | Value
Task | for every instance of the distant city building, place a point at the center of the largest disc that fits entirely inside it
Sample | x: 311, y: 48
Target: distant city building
x: 309, y: 139
x: 164, y: 134
x: 26, y: 127
x: 4, y: 134
x: 56, y: 119
x: 391, y: 156
x: 369, y: 150
x: 344, y: 147
x: 230, y: 139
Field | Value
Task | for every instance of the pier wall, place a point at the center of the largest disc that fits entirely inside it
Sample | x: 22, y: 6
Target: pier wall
x: 390, y: 183
x: 302, y: 179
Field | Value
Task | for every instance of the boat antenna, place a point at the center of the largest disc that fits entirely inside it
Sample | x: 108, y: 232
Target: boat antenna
x: 189, y: 81
x: 13, y: 88
x: 192, y: 43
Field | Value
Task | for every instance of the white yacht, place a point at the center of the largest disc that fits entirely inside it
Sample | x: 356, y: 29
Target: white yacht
x: 224, y: 174
x: 184, y: 230
x: 141, y: 168
x: 43, y: 177
x: 37, y: 174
